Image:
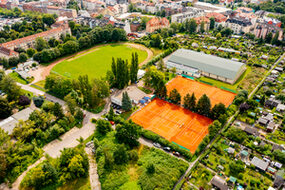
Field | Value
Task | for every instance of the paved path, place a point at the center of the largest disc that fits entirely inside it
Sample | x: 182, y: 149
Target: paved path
x: 93, y: 175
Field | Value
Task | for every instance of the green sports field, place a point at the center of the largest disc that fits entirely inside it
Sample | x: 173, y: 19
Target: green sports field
x: 97, y: 61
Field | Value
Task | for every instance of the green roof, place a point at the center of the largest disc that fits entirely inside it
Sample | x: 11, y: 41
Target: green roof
x: 208, y: 63
x: 245, y: 153
x: 233, y: 179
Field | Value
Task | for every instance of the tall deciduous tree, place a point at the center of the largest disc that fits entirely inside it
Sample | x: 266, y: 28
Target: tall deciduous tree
x: 103, y: 126
x: 128, y: 133
x: 204, y: 105
x: 134, y: 67
x: 218, y: 110
x: 5, y: 109
x: 212, y: 23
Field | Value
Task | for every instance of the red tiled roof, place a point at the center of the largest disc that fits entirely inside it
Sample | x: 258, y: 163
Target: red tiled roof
x: 158, y: 21
x: 32, y: 37
x: 8, y: 52
x: 201, y: 19
x: 218, y: 16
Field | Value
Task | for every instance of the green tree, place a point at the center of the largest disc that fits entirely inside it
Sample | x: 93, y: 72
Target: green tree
x: 128, y: 133
x: 9, y: 86
x: 48, y: 19
x: 134, y: 67
x: 150, y: 168
x: 275, y: 38
x: 236, y: 167
x: 174, y: 96
x: 189, y: 102
x: 191, y: 26
x: 57, y: 110
x: 103, y: 126
x: 41, y: 44
x: 41, y: 176
x: 212, y: 23
x: 218, y: 109
x: 5, y: 108
x: 214, y: 129
x: 31, y: 52
x: 202, y: 27
x: 70, y: 47
x: 161, y: 65
x: 236, y: 134
x: 23, y: 57
x: 268, y: 38
x: 203, y: 106
x: 126, y: 102
x: 120, y: 154
x: 111, y: 114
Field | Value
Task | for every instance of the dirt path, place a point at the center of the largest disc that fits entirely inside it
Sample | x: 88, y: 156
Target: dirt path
x: 93, y: 175
x: 43, y: 71
x: 16, y: 184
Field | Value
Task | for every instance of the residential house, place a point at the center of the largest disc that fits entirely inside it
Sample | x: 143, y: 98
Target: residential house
x: 156, y: 23
x: 202, y: 20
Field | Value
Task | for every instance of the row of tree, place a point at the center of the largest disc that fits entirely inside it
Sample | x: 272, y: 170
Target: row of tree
x: 202, y: 106
x: 122, y: 73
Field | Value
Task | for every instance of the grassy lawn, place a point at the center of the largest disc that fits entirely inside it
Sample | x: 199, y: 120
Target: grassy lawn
x: 78, y: 184
x: 220, y: 84
x: 156, y: 51
x: 96, y: 62
x: 127, y: 114
x: 201, y: 177
x: 277, y: 137
x: 17, y: 78
x: 252, y: 79
x: 145, y: 90
x: 133, y: 175
x: 41, y: 83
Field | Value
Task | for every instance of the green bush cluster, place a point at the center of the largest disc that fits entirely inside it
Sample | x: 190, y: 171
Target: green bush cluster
x: 156, y: 138
x: 158, y: 57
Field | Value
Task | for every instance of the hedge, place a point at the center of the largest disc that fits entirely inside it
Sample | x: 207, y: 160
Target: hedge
x: 158, y: 57
x: 156, y: 138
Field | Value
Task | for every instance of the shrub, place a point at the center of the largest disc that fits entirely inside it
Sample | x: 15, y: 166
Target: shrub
x: 24, y: 100
x: 38, y: 101
x: 93, y: 120
x: 156, y: 138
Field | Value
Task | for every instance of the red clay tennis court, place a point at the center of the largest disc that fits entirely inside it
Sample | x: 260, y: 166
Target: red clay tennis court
x: 174, y: 123
x: 216, y: 95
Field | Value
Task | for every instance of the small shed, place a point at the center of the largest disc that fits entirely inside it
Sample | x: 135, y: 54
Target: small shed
x: 230, y: 150
x: 232, y: 180
x: 244, y: 153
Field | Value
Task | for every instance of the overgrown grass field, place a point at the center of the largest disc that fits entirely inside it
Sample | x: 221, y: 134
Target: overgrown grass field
x: 96, y: 62
x: 133, y: 175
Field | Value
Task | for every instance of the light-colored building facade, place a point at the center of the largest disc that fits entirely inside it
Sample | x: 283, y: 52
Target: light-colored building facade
x: 191, y: 13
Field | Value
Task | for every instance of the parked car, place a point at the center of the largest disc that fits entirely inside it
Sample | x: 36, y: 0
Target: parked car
x: 112, y: 122
x: 118, y: 112
x: 167, y: 149
x: 176, y: 154
x: 157, y: 145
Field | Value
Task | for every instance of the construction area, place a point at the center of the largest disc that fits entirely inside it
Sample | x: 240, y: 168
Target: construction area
x: 174, y: 123
x: 185, y: 85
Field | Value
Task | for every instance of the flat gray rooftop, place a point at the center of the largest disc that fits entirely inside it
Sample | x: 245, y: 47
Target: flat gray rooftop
x: 208, y: 63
